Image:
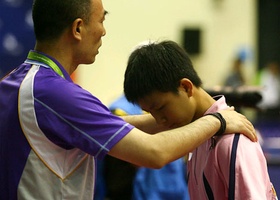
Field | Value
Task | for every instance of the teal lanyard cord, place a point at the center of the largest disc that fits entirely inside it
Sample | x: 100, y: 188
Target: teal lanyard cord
x: 41, y: 58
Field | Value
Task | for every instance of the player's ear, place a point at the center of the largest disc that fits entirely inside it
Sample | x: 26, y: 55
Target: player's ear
x: 187, y: 85
x: 77, y: 28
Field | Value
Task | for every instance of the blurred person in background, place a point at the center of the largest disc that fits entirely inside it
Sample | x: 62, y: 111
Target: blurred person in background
x: 236, y: 78
x: 269, y: 81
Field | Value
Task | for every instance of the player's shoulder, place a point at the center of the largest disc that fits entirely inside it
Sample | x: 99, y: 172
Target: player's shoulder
x: 241, y: 141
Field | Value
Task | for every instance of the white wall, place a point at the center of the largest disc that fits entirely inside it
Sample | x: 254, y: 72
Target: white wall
x: 226, y: 26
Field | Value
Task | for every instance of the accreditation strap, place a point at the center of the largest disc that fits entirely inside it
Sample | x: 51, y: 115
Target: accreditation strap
x: 32, y: 55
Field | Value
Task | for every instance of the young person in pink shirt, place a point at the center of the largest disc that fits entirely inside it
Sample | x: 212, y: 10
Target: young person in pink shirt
x: 160, y: 78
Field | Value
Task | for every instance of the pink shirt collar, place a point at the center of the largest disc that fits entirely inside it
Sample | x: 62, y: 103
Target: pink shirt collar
x: 220, y: 104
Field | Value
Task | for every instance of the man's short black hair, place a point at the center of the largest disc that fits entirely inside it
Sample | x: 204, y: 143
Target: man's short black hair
x: 157, y: 66
x: 52, y: 17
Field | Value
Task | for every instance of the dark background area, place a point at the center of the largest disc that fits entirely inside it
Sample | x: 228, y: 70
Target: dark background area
x: 16, y: 33
x: 268, y: 31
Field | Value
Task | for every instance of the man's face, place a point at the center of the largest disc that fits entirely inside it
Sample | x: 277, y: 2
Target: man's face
x: 170, y: 109
x: 94, y: 31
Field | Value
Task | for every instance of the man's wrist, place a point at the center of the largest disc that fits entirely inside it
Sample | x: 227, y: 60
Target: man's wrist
x: 222, y: 122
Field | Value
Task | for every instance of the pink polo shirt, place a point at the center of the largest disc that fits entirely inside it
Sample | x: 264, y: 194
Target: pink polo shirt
x: 228, y: 167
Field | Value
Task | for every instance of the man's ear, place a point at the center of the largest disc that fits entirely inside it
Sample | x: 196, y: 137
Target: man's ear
x: 187, y: 85
x: 77, y: 28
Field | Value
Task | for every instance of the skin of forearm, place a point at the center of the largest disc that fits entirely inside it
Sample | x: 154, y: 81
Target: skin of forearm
x: 159, y: 149
x: 144, y: 122
x: 179, y: 142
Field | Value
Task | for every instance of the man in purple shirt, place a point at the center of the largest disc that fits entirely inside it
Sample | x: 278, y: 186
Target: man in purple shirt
x: 52, y: 131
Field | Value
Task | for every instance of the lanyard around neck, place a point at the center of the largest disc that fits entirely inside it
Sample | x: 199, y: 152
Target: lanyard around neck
x: 32, y: 55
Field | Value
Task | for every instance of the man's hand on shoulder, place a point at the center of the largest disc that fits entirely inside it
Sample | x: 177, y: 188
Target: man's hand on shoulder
x: 238, y: 123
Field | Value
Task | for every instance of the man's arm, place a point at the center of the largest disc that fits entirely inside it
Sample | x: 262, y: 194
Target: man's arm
x: 235, y: 123
x: 157, y: 150
x: 144, y: 122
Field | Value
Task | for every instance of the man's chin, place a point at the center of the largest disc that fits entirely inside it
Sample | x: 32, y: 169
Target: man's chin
x: 91, y: 61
